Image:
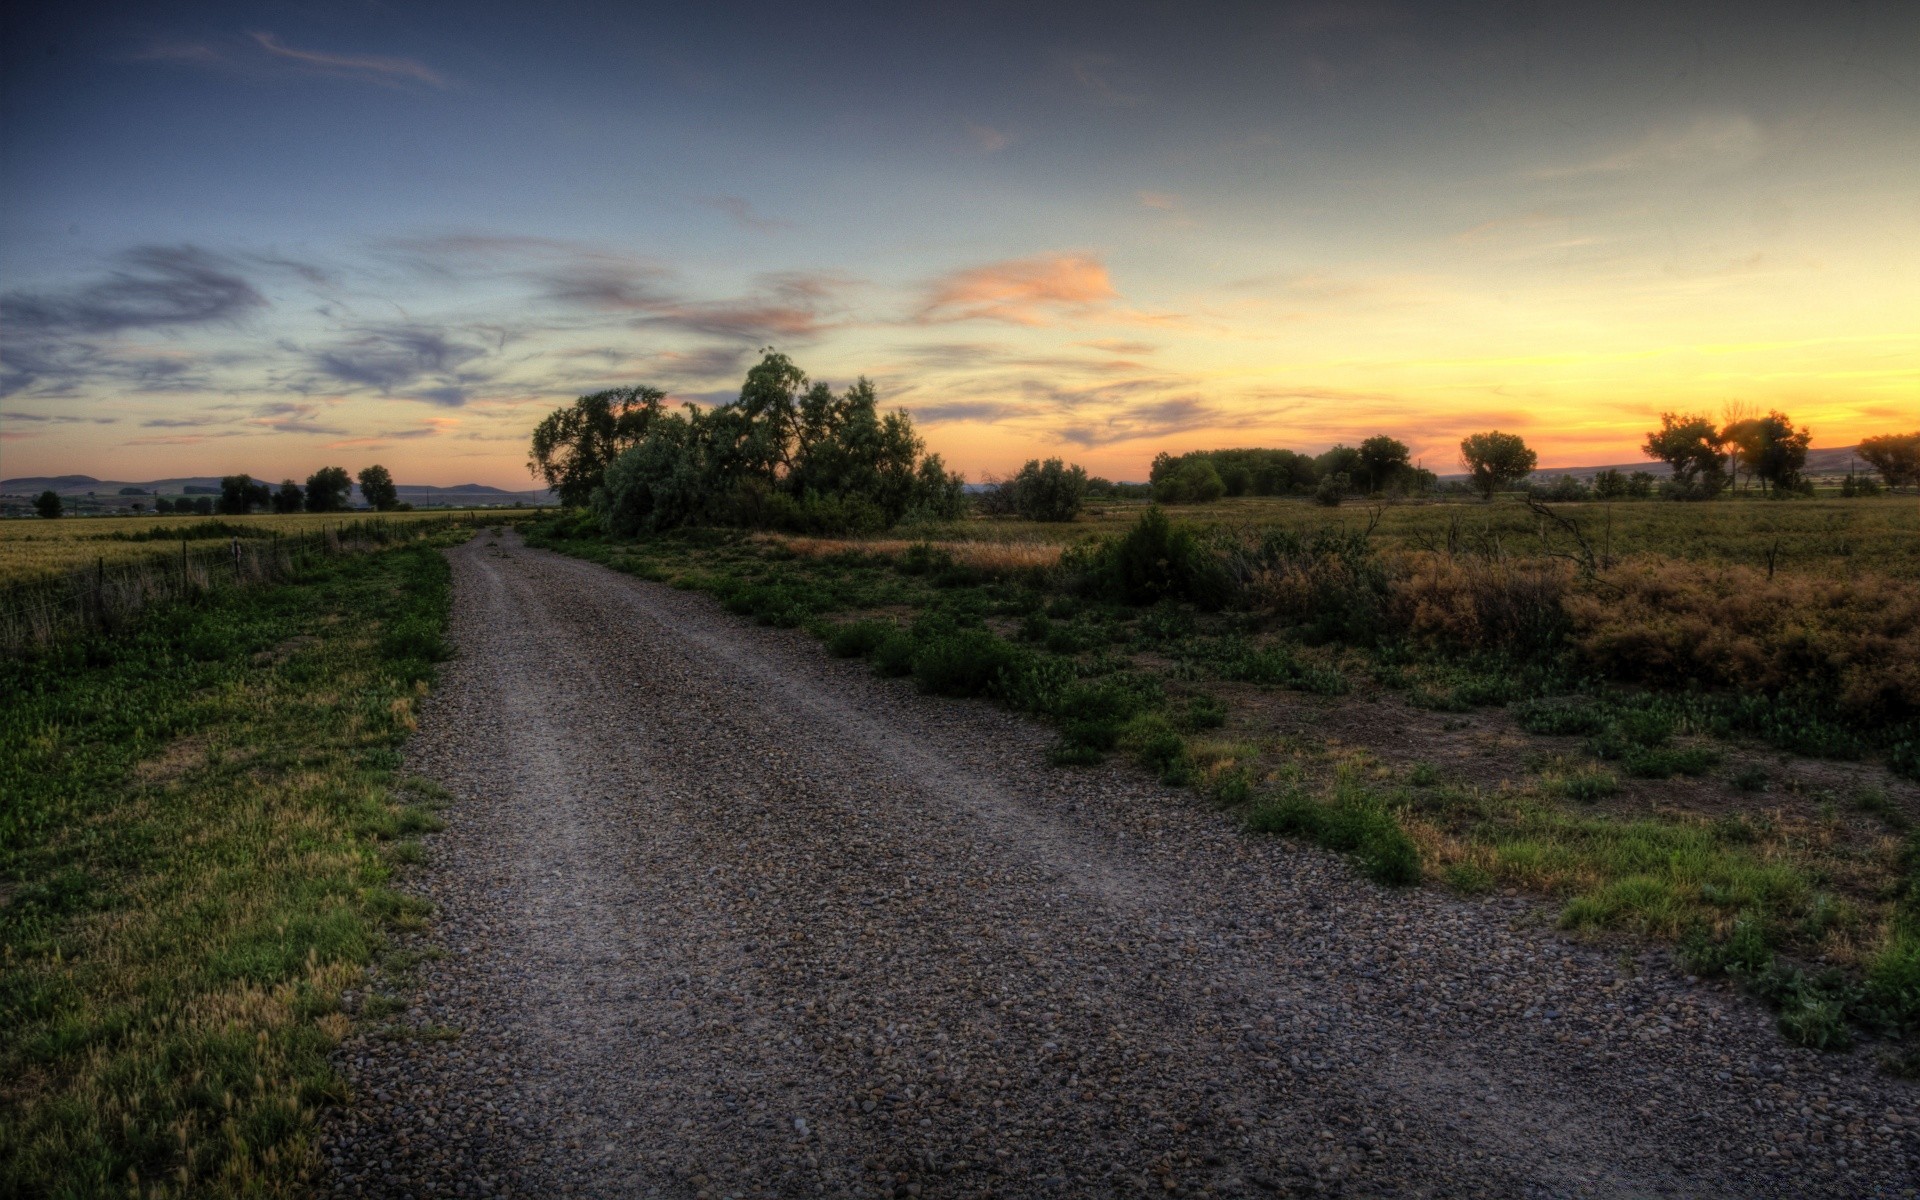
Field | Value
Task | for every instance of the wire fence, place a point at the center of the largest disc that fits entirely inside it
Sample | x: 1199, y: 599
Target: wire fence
x: 105, y: 597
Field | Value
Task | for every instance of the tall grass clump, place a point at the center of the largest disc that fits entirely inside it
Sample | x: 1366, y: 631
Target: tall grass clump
x: 1354, y: 820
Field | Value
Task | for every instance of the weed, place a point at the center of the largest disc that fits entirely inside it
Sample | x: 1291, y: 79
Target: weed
x: 1751, y: 778
x: 1353, y: 821
x: 1423, y: 775
x: 1468, y: 879
x: 1589, y: 786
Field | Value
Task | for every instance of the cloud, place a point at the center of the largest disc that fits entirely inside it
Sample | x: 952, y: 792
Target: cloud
x: 368, y: 68
x: 159, y: 287
x: 1094, y: 72
x: 962, y: 410
x: 393, y: 356
x: 293, y: 417
x: 1164, y: 201
x: 1709, y: 140
x: 1020, y: 291
x: 989, y: 139
x: 742, y: 213
x: 431, y: 427
x: 49, y: 340
x: 1156, y: 418
x: 796, y: 305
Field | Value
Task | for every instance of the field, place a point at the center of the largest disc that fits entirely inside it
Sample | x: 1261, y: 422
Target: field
x: 36, y: 549
x: 1879, y: 535
x: 1696, y: 725
x: 201, y: 819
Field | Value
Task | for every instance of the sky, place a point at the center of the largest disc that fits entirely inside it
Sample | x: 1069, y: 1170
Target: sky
x: 271, y: 237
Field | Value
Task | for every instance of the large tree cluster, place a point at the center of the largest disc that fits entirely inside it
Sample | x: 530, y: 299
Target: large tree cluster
x: 790, y: 453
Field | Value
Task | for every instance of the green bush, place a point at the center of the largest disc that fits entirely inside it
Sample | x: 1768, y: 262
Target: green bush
x: 1155, y: 561
x: 1160, y: 749
x: 894, y: 656
x: 963, y: 663
x: 857, y: 639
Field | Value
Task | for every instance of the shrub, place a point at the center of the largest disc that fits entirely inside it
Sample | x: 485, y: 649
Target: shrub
x: 1205, y: 712
x: 894, y: 656
x: 1160, y: 749
x: 964, y: 663
x: 1156, y: 561
x: 857, y: 639
x: 1330, y: 584
x: 1049, y: 491
x: 1751, y: 778
x: 1507, y: 606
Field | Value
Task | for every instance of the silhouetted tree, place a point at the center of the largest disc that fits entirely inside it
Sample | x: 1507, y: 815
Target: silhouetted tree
x: 1693, y: 447
x: 328, y: 490
x: 1896, y: 456
x: 573, y: 446
x: 1050, y: 490
x: 288, y: 498
x: 1496, y: 460
x: 1770, y: 448
x: 240, y: 495
x: 47, y: 504
x: 376, y: 488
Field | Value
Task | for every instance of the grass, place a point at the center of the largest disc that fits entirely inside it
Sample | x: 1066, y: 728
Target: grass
x: 1178, y: 686
x: 35, y: 548
x: 196, y: 858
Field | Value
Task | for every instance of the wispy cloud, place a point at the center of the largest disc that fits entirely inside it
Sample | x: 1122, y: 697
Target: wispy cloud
x: 1095, y: 73
x: 1713, y: 140
x: 742, y: 213
x: 159, y: 286
x: 368, y: 68
x: 394, y: 356
x: 1020, y: 291
x: 1164, y: 201
x: 987, y: 138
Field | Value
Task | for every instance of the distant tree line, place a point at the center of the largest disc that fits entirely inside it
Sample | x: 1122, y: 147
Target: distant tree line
x: 790, y: 454
x: 329, y: 489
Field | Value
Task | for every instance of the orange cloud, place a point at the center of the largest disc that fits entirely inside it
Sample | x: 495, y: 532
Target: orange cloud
x: 1021, y: 291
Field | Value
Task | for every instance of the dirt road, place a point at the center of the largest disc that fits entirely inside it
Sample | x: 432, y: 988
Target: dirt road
x: 725, y: 917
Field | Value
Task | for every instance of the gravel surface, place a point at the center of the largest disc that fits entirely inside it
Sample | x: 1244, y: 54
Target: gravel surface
x: 725, y: 917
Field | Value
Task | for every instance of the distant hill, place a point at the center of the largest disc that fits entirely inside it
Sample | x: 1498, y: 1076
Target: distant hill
x: 106, y: 492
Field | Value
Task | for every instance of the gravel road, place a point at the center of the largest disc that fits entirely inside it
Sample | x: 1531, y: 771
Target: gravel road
x: 725, y: 917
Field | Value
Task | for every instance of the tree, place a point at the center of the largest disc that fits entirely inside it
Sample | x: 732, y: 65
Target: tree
x: 1693, y: 447
x: 240, y: 495
x: 573, y: 447
x: 203, y: 505
x: 1896, y: 456
x: 1050, y: 490
x: 1190, y: 479
x: 328, y: 490
x: 47, y: 504
x: 1496, y: 460
x: 1382, y: 460
x: 376, y: 488
x: 288, y: 498
x: 163, y: 505
x: 788, y: 454
x: 1769, y: 448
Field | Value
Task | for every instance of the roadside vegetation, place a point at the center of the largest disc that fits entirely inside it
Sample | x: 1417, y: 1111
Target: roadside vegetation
x: 1621, y: 730
x: 202, y: 817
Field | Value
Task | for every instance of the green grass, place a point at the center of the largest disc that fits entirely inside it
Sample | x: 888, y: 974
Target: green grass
x: 197, y: 851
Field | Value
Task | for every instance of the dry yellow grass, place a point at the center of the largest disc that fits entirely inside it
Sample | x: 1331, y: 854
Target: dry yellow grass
x: 996, y: 557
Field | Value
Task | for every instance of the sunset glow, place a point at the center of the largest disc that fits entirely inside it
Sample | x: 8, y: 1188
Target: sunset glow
x: 244, y: 239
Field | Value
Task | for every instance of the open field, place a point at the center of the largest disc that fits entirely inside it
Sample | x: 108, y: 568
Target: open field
x: 201, y: 819
x: 1668, y: 747
x: 34, y: 549
x: 1878, y: 534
